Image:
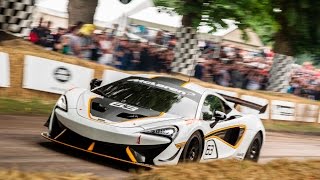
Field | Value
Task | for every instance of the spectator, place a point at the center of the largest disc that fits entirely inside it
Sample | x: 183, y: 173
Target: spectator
x: 124, y: 55
x: 198, y: 70
x: 144, y: 58
x: 63, y: 45
x: 57, y: 38
x: 106, y: 48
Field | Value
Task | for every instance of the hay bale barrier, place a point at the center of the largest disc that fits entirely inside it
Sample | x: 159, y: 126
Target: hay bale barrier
x: 233, y: 169
x: 215, y: 170
x: 20, y: 175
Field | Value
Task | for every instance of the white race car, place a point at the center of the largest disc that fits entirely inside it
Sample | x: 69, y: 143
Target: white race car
x: 155, y: 121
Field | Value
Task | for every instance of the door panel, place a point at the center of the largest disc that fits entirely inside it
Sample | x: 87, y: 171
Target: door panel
x: 226, y: 135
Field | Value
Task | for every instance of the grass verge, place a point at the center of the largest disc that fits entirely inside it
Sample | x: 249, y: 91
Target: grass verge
x: 32, y: 107
x: 292, y: 127
x: 233, y: 169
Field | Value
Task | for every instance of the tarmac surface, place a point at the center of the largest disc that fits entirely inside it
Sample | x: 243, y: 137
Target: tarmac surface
x: 23, y: 148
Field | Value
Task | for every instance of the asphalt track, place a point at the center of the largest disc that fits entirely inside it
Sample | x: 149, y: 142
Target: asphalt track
x: 22, y: 148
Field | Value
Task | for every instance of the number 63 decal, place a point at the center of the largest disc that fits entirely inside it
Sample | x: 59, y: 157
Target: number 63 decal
x: 210, y: 150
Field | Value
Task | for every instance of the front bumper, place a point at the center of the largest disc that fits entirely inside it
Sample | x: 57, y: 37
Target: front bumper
x: 133, y: 154
x: 125, y: 144
x: 106, y: 132
x: 45, y: 135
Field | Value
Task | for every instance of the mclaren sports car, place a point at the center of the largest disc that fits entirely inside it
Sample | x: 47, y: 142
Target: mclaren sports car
x: 156, y: 120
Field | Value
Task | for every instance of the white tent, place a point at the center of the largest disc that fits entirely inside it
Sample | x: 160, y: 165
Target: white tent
x: 170, y: 21
x: 156, y: 18
x: 107, y: 13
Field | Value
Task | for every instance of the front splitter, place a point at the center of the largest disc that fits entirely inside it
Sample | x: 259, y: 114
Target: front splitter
x: 45, y: 135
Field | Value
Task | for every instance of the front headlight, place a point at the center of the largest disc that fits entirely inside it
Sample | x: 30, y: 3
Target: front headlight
x: 170, y: 132
x: 62, y: 103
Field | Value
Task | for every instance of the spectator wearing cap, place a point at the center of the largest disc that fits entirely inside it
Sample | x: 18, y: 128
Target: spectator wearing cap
x: 86, y: 40
x: 199, y: 69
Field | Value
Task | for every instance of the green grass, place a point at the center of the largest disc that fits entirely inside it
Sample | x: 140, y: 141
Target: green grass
x: 293, y: 127
x: 31, y: 107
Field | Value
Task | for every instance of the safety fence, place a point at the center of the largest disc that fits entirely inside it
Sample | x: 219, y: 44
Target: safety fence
x: 26, y: 75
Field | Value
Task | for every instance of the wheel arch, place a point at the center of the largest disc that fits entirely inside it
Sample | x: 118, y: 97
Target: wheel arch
x: 202, y: 137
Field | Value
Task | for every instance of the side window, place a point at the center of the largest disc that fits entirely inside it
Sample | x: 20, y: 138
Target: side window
x: 211, y: 104
x: 226, y: 107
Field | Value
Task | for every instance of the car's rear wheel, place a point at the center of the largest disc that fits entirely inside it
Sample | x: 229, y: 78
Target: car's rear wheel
x: 253, y: 152
x: 193, y: 149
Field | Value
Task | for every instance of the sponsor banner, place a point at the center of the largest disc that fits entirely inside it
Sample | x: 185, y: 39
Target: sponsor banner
x: 256, y: 100
x: 4, y: 70
x: 307, y: 112
x: 53, y: 76
x: 228, y: 93
x: 282, y: 110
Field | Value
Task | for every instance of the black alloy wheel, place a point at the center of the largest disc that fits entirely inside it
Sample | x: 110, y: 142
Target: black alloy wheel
x: 253, y: 152
x: 193, y: 149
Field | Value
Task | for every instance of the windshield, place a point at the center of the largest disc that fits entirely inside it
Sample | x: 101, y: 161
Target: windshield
x: 149, y: 97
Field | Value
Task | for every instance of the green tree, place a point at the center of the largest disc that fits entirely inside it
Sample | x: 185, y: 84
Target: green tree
x: 249, y: 13
x: 299, y: 31
x: 293, y: 29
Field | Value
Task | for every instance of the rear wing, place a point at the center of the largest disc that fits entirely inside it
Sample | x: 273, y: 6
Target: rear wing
x: 238, y: 101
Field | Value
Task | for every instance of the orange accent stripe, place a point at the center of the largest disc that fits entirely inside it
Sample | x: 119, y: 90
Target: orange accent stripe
x: 184, y: 84
x: 89, y: 105
x: 106, y: 156
x: 221, y: 129
x: 154, y: 76
x: 90, y: 148
x: 131, y: 156
x: 179, y: 145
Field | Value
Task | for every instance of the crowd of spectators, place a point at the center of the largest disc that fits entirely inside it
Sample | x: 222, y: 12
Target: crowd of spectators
x: 106, y: 47
x: 223, y: 64
x: 234, y: 67
x: 305, y: 82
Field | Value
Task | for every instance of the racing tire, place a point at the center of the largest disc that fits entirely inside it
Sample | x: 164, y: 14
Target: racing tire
x: 253, y: 152
x: 193, y: 149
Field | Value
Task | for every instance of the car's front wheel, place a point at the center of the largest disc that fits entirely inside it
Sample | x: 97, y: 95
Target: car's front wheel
x: 193, y: 149
x: 253, y: 151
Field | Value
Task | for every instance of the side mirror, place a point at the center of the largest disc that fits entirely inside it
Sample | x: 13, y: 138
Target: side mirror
x: 95, y: 83
x: 217, y: 116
